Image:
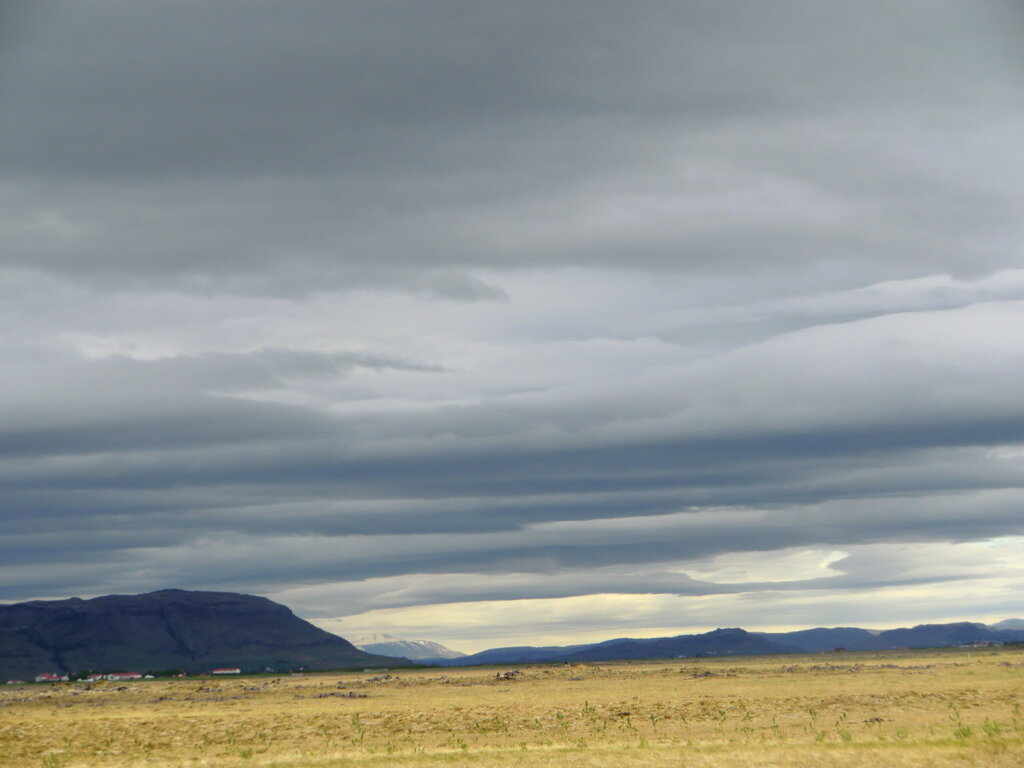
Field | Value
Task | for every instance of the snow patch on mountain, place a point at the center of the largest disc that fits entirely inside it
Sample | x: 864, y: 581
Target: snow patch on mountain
x: 389, y: 645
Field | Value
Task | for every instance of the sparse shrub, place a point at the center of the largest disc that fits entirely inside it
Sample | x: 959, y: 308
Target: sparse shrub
x: 963, y: 732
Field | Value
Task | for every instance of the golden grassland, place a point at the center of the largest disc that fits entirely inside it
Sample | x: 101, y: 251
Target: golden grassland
x: 908, y: 708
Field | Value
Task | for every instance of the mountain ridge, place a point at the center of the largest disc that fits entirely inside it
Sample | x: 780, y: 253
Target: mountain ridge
x: 734, y: 641
x: 167, y: 629
x: 1007, y: 624
x: 727, y: 641
x: 417, y: 650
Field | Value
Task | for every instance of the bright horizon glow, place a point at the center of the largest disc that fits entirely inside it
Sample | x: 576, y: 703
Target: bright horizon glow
x: 475, y: 626
x: 337, y: 627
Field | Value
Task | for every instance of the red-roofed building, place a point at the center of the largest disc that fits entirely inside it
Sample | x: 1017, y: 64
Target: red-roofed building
x: 47, y: 677
x: 226, y: 671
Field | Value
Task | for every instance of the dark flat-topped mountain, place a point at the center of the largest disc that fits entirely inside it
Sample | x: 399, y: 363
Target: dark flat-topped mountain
x: 170, y: 629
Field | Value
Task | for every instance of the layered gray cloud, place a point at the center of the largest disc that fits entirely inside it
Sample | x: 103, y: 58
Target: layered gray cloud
x: 385, y: 305
x: 246, y: 147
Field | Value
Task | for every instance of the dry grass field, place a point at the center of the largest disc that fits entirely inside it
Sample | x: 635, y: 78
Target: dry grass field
x: 943, y: 708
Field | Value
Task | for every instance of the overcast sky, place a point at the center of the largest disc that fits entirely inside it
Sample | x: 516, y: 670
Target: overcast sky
x: 516, y: 322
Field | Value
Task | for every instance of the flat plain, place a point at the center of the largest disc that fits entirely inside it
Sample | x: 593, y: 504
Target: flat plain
x: 903, y: 708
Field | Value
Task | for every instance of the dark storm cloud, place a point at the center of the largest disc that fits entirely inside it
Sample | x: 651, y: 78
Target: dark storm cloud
x: 145, y: 467
x: 250, y: 88
x: 234, y: 467
x: 251, y: 147
x: 569, y: 555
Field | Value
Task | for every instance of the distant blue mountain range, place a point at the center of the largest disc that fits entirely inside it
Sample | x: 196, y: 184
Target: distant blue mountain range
x: 739, y: 642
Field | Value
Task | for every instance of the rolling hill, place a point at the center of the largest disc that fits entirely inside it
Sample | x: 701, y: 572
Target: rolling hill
x: 720, y: 642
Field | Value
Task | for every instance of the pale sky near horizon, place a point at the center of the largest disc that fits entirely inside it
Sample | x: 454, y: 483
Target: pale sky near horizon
x: 500, y: 323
